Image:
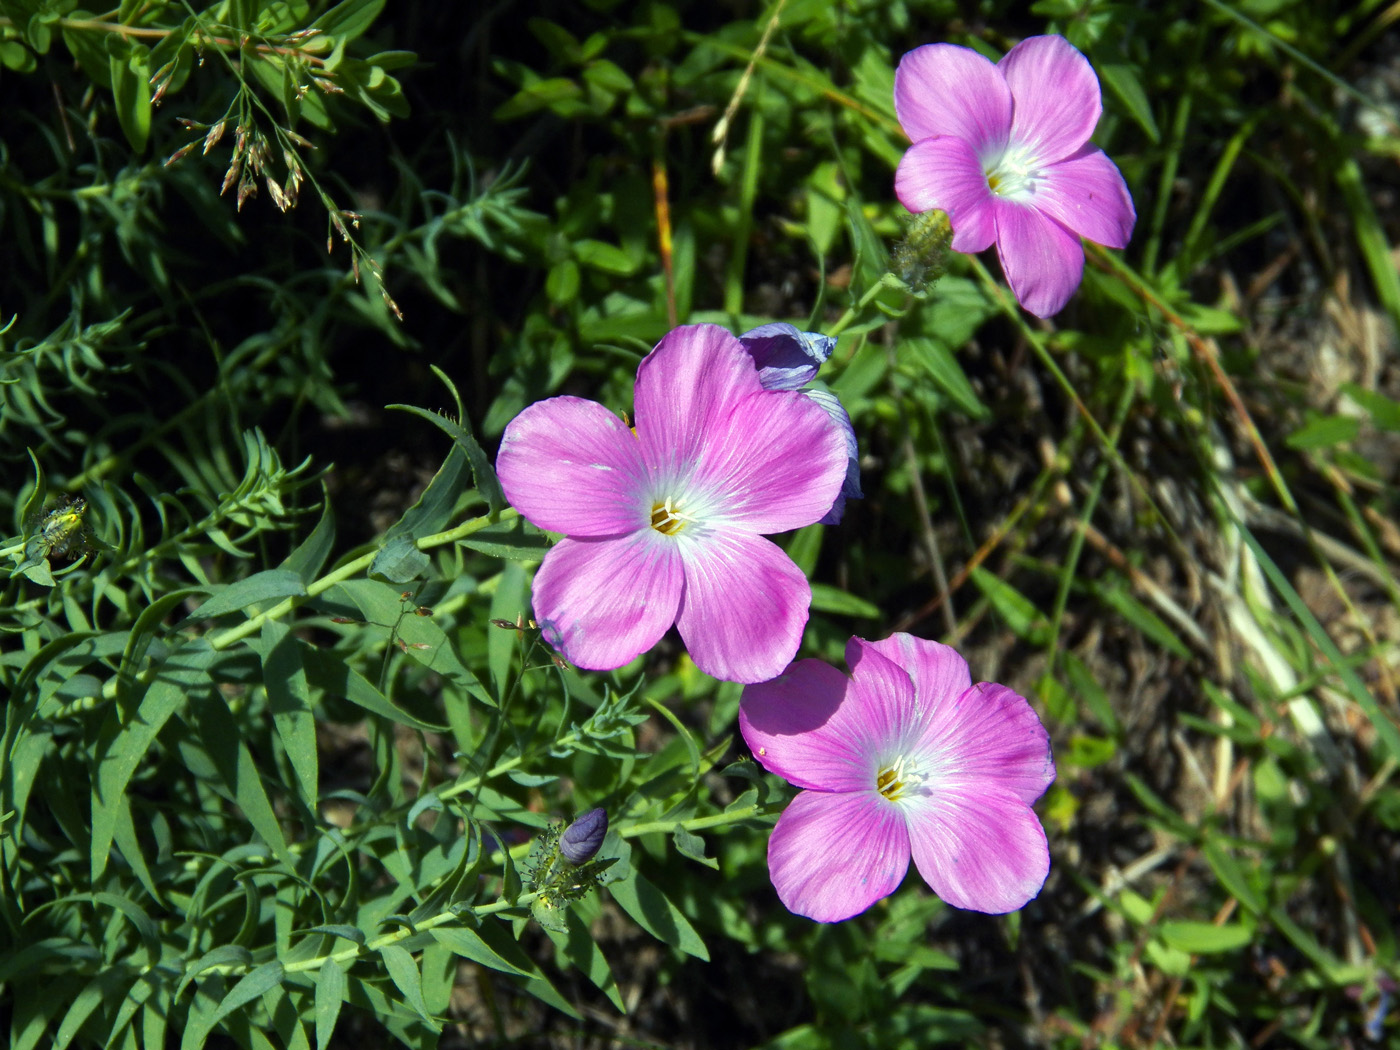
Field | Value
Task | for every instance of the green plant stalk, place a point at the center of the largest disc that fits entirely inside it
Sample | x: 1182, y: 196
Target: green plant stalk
x: 1042, y: 352
x: 351, y: 568
x: 855, y: 312
x: 443, y: 918
x: 200, y: 38
x: 1190, y: 251
x: 1076, y: 543
x: 743, y: 227
x: 1170, y: 162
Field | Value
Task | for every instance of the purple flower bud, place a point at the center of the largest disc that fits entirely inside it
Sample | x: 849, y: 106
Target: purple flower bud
x: 786, y: 357
x: 582, y: 838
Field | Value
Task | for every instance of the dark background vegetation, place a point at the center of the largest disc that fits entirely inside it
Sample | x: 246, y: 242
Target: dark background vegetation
x: 1254, y: 310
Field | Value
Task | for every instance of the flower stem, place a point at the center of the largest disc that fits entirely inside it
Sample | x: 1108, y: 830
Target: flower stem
x: 715, y: 820
x: 226, y: 638
x: 857, y: 311
x: 357, y: 951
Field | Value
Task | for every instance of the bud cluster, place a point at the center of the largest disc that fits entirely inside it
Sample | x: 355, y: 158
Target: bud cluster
x: 563, y: 865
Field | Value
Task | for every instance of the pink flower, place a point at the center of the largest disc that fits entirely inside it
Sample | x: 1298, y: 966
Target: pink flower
x: 906, y: 755
x: 1004, y: 150
x: 664, y: 523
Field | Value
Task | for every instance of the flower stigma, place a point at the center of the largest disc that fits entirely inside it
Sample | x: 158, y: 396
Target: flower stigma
x: 668, y: 519
x: 895, y: 781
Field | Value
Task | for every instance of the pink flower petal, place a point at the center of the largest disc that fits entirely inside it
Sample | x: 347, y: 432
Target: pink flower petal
x: 945, y: 173
x: 777, y: 462
x: 937, y: 671
x: 832, y: 856
x: 571, y: 466
x: 694, y: 379
x: 943, y: 89
x: 1043, y: 261
x: 982, y: 850
x: 604, y: 602
x: 987, y: 737
x: 1086, y: 192
x: 884, y: 705
x: 1057, y: 101
x: 805, y: 726
x: 744, y: 606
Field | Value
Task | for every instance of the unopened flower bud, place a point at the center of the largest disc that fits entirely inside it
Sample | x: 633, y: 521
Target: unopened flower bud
x: 584, y: 836
x: 921, y: 257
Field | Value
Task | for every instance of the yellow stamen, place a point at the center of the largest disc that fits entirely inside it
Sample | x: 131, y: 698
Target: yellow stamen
x: 666, y: 519
x: 894, y: 781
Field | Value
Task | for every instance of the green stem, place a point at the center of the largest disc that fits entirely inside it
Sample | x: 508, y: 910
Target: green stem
x: 199, y: 38
x: 463, y: 786
x: 357, y: 951
x: 351, y: 568
x: 715, y: 820
x: 855, y: 312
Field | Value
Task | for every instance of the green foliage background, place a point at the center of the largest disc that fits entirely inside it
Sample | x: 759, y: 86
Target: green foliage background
x: 274, y: 275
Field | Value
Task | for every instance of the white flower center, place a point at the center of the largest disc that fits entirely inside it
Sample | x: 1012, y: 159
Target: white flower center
x: 1012, y: 171
x: 896, y: 780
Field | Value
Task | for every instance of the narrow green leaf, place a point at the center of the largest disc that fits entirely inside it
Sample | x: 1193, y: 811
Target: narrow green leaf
x: 469, y: 945
x: 403, y: 971
x: 483, y: 473
x: 289, y: 698
x: 691, y: 747
x: 330, y: 993
x: 691, y: 845
x: 1370, y: 232
x: 871, y: 261
x: 124, y: 834
x: 947, y: 375
x: 101, y: 987
x: 122, y: 744
x: 1385, y: 727
x: 833, y: 600
x: 269, y: 586
x: 518, y: 541
x: 654, y: 913
x: 348, y: 933
x: 436, y: 505
x: 1324, y: 432
x: 1384, y: 411
x: 599, y: 255
x: 426, y: 641
x: 507, y: 603
x: 1124, y: 83
x: 328, y: 672
x: 143, y: 632
x: 223, y: 742
x: 250, y: 987
x: 311, y: 554
x: 1232, y: 877
x: 510, y: 878
x: 131, y: 91
x: 1021, y: 616
x: 399, y: 560
x: 540, y: 95
x: 136, y: 996
x: 224, y: 955
x: 349, y: 19
x: 1201, y: 938
x: 74, y: 955
x: 579, y: 947
x: 1144, y: 619
x: 498, y: 938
